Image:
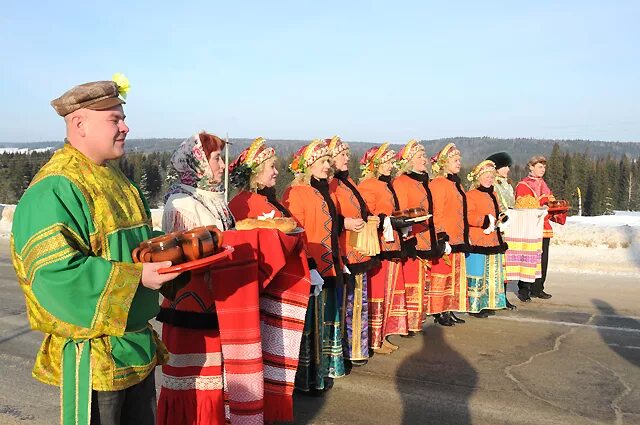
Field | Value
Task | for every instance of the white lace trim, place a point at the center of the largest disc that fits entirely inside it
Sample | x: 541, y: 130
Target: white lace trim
x: 195, y: 359
x: 183, y: 383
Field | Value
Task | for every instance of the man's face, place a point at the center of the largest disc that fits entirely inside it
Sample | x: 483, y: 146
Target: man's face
x: 104, y: 134
x: 504, y: 171
x: 538, y: 169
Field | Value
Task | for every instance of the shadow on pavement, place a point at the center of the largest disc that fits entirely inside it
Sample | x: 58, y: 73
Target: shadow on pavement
x: 613, y: 339
x: 435, y: 383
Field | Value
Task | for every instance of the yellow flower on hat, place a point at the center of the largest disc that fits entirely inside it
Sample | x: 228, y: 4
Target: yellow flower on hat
x: 123, y: 84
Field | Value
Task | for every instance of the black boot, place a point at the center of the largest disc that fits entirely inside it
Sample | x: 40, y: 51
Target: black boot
x: 456, y: 319
x: 442, y: 319
x: 480, y: 315
x: 509, y: 305
x: 410, y: 334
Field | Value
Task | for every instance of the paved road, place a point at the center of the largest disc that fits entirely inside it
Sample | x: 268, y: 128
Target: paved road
x: 571, y: 360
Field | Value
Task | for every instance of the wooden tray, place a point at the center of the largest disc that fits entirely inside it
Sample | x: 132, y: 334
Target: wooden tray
x: 198, y: 264
x: 419, y: 219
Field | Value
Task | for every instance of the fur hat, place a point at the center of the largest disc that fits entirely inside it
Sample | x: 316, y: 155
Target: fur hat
x: 501, y: 159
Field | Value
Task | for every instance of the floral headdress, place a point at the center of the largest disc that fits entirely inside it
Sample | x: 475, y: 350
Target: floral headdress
x: 407, y: 153
x: 439, y: 160
x: 247, y: 162
x: 372, y: 158
x: 307, y: 155
x: 336, y: 146
x: 484, y: 167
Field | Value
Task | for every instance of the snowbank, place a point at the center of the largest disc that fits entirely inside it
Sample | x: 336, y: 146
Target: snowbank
x: 603, y: 244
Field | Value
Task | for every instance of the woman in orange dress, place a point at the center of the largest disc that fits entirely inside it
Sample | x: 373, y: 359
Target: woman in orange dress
x: 412, y: 188
x: 353, y: 298
x: 485, y: 271
x: 387, y: 304
x: 447, y: 289
x: 313, y: 206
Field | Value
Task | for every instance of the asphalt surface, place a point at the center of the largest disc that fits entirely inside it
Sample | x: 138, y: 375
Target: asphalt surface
x: 573, y: 359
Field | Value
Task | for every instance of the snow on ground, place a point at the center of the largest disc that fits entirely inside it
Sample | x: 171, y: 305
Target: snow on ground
x: 605, y: 244
x: 24, y: 150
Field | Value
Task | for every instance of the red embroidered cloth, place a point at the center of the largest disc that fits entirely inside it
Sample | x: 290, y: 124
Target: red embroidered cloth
x: 260, y: 297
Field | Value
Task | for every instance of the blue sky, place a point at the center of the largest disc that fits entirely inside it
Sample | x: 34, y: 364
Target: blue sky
x: 370, y: 71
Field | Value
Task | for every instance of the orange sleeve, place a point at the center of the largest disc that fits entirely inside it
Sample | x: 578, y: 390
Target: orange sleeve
x: 474, y: 214
x: 439, y: 197
x: 369, y: 196
x: 402, y: 193
x: 293, y: 201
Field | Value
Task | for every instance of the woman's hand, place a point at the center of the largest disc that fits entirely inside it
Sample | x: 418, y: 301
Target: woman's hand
x: 354, y: 224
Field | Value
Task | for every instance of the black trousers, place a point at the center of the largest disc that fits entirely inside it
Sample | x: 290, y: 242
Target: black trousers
x: 135, y: 405
x: 526, y: 288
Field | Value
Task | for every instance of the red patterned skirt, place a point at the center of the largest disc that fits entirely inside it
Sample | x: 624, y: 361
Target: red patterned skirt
x: 192, y: 383
x: 446, y: 289
x: 416, y: 272
x: 387, y: 302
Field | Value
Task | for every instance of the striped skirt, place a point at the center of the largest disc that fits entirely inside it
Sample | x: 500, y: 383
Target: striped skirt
x: 416, y: 272
x: 387, y: 302
x: 485, y: 282
x: 321, y: 346
x: 355, y: 314
x: 192, y: 382
x: 446, y: 290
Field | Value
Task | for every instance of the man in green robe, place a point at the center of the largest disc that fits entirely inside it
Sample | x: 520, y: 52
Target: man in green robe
x: 71, y: 242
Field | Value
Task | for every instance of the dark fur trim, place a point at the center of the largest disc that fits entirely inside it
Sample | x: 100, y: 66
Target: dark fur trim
x: 463, y: 247
x: 329, y: 282
x: 486, y: 222
x: 188, y: 319
x: 442, y: 236
x: 487, y: 250
x: 343, y: 176
x: 391, y: 255
x: 381, y: 225
x: 365, y: 266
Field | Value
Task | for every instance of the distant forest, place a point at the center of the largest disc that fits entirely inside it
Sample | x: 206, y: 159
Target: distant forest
x: 606, y: 173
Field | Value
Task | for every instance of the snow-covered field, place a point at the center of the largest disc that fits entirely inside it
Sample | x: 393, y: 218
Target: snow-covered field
x: 603, y: 244
x: 607, y: 244
x: 24, y: 150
